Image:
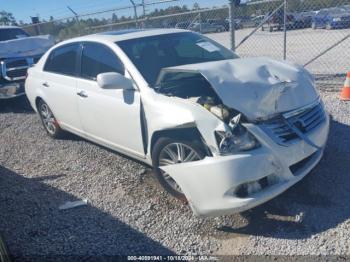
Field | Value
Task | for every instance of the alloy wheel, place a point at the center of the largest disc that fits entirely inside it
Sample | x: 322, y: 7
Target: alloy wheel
x: 176, y: 153
x: 48, y: 118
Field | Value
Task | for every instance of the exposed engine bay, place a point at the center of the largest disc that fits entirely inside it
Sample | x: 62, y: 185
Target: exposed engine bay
x: 194, y: 87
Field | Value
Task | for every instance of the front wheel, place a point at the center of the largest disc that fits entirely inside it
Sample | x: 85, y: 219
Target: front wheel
x: 49, y: 121
x: 169, y: 151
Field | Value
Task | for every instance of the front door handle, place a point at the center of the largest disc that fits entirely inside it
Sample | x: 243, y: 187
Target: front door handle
x: 82, y: 93
x: 46, y: 84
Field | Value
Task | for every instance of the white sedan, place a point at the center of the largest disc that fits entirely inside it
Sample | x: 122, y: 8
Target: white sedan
x: 223, y: 133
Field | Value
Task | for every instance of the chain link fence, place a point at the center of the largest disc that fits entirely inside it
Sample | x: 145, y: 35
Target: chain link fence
x: 313, y: 33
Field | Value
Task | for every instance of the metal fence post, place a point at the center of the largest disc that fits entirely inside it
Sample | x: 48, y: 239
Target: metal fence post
x: 285, y: 31
x: 135, y: 13
x: 232, y: 25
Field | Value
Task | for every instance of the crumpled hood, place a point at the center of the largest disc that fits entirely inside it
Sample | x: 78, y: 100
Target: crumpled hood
x: 257, y: 87
x: 26, y: 46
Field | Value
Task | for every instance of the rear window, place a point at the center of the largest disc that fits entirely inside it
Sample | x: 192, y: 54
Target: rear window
x: 63, y: 60
x: 12, y: 33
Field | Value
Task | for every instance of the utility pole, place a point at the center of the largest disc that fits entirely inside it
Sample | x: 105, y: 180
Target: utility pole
x: 135, y: 13
x: 75, y: 13
x: 144, y: 8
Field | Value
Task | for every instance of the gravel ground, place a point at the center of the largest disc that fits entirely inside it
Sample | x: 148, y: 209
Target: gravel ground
x: 129, y: 214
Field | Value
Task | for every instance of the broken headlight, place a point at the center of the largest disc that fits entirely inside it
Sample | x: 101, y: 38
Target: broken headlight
x: 239, y: 139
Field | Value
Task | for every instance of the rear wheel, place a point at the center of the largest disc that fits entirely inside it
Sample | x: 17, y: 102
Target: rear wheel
x: 169, y: 151
x: 49, y: 121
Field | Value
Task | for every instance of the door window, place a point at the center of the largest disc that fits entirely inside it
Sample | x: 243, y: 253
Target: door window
x: 96, y: 59
x: 63, y: 60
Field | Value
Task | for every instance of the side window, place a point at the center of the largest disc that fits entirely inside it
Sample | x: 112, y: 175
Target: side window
x: 63, y: 60
x: 97, y: 59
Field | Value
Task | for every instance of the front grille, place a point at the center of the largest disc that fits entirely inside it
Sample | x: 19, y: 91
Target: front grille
x: 14, y: 69
x: 289, y: 127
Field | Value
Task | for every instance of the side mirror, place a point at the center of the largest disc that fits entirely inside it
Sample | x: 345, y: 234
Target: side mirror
x: 114, y: 80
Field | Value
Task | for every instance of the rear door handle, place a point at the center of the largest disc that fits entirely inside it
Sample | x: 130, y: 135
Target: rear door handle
x: 46, y: 84
x: 82, y: 93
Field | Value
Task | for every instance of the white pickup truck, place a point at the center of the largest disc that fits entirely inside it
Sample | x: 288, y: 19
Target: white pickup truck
x: 18, y: 51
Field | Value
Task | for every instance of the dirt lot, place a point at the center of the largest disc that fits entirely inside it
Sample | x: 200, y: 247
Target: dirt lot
x: 127, y: 213
x: 302, y: 46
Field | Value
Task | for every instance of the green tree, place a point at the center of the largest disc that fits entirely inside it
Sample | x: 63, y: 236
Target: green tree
x: 7, y: 18
x: 196, y: 6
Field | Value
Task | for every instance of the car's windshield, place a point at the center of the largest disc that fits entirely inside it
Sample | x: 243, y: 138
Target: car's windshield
x: 151, y: 54
x: 11, y: 33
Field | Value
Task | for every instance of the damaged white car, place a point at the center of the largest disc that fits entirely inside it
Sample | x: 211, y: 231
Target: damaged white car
x: 223, y: 132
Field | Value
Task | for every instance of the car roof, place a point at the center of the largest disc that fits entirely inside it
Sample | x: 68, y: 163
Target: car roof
x: 116, y: 36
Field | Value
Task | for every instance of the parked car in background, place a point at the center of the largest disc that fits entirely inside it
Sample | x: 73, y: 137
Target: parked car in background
x: 169, y: 24
x: 183, y: 25
x: 221, y: 22
x: 332, y: 18
x: 257, y: 20
x: 223, y: 133
x: 205, y: 28
x: 276, y: 22
x: 302, y: 19
x: 18, y: 51
x: 225, y: 23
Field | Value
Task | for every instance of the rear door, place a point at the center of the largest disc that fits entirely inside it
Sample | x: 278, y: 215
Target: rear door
x: 59, y: 85
x: 110, y: 117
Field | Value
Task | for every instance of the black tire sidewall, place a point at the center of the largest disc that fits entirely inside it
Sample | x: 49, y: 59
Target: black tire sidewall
x: 159, y: 145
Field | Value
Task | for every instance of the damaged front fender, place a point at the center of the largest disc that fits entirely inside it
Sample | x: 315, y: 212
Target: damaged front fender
x: 170, y: 113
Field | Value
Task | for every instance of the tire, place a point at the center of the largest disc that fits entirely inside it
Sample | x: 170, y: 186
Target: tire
x: 49, y: 121
x: 159, y: 154
x: 313, y: 25
x: 329, y: 26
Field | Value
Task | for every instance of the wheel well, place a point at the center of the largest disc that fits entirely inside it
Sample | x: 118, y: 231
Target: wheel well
x: 190, y: 133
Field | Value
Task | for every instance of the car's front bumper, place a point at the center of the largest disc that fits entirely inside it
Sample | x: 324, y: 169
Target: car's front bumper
x: 11, y: 90
x: 209, y: 184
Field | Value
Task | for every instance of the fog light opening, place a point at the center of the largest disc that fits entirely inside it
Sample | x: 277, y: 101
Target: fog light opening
x: 253, y: 187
